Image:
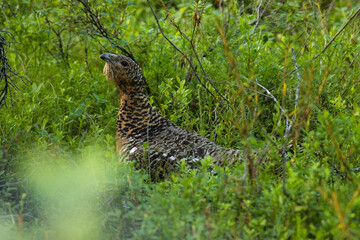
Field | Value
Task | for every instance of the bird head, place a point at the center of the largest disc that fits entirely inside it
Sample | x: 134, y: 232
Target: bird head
x: 123, y: 71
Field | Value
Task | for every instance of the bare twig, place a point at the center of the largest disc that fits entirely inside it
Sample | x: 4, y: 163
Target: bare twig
x: 260, y: 13
x: 8, y: 6
x: 350, y: 66
x: 270, y: 95
x: 289, y: 125
x: 94, y: 20
x: 58, y: 33
x: 331, y: 41
x: 187, y: 59
x: 183, y: 54
x: 6, y: 72
x: 307, y: 39
x: 336, y: 35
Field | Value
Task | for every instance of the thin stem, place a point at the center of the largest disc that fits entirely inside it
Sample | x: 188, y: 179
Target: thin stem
x: 177, y: 49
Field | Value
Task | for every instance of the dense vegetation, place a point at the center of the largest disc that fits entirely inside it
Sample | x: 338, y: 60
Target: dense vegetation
x: 277, y: 79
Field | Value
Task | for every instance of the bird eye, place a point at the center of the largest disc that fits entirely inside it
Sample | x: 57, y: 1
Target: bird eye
x: 124, y: 63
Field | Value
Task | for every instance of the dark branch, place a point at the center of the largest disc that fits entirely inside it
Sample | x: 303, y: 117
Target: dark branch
x: 92, y: 17
x: 187, y: 59
x: 7, y: 74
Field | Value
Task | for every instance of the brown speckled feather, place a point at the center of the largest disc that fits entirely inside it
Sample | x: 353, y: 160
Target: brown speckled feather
x: 138, y: 125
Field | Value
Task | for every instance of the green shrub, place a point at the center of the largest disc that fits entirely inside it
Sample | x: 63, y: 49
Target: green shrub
x: 59, y: 175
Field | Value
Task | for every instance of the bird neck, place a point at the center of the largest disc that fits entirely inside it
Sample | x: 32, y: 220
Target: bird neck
x: 132, y: 99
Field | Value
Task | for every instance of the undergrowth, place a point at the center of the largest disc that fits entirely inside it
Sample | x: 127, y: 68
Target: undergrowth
x: 278, y: 80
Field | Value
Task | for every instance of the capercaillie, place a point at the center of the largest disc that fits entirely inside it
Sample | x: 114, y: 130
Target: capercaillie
x: 147, y: 137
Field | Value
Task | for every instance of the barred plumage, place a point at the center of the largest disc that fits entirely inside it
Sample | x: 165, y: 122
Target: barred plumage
x: 138, y: 125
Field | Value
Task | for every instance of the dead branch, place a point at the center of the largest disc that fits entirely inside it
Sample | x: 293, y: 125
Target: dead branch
x: 186, y: 57
x: 92, y: 19
x: 307, y: 39
x: 331, y: 41
x: 194, y: 51
x: 350, y: 66
x: 337, y: 34
x: 260, y: 13
x: 7, y: 74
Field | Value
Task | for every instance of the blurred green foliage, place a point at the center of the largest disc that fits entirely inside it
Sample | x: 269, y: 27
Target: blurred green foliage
x: 59, y: 175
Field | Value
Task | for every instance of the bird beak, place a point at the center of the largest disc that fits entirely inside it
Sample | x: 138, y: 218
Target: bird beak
x: 106, y: 58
